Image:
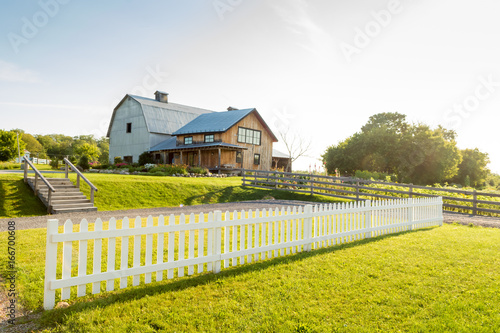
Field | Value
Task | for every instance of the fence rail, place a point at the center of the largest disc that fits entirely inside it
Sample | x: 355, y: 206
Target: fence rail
x: 357, y: 189
x: 140, y: 249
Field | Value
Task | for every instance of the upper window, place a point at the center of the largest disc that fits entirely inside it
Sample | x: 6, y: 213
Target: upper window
x: 129, y: 127
x: 188, y: 140
x: 250, y: 136
x: 209, y: 138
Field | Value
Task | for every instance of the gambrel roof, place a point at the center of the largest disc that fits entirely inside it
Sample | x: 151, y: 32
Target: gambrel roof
x: 162, y: 118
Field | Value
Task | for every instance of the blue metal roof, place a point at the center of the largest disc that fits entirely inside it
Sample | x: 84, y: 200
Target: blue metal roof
x: 213, y: 122
x: 167, y: 144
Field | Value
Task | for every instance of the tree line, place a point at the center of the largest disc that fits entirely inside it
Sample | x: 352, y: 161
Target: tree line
x: 412, y: 153
x: 53, y: 146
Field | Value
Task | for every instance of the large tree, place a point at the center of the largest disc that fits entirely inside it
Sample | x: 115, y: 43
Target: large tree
x: 387, y: 143
x: 8, y: 145
x: 473, y: 165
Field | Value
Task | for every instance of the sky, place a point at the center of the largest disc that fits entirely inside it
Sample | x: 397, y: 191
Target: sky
x: 318, y: 69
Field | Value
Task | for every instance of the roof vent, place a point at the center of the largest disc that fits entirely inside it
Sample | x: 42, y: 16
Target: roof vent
x: 230, y: 108
x: 161, y: 96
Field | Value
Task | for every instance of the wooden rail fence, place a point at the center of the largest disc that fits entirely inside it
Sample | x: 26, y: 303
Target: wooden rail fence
x: 106, y: 256
x: 360, y: 189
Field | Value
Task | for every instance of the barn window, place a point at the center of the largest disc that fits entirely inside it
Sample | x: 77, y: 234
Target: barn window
x: 247, y: 135
x: 129, y: 127
x: 188, y: 140
x: 209, y: 138
x: 256, y: 159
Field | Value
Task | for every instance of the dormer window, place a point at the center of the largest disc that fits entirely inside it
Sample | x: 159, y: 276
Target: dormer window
x: 188, y: 140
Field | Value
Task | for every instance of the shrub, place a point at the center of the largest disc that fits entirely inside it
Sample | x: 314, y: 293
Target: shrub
x: 198, y: 170
x: 121, y: 165
x: 145, y: 158
x: 170, y: 169
x: 118, y: 160
x: 84, y: 162
x: 374, y: 175
x: 54, y: 163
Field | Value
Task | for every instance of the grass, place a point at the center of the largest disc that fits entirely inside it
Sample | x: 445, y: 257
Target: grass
x: 117, y: 192
x: 433, y: 280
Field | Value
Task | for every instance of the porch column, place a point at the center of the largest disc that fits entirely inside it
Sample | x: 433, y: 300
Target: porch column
x: 219, y: 160
x: 199, y: 157
x: 164, y: 157
x: 182, y: 162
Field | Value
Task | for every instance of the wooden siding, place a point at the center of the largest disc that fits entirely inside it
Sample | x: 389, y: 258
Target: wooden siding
x: 265, y: 149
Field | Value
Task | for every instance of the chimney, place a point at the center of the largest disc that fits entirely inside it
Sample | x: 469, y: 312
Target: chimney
x: 230, y: 108
x: 161, y: 96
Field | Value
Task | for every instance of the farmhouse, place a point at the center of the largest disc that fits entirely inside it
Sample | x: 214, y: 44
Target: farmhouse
x: 180, y: 134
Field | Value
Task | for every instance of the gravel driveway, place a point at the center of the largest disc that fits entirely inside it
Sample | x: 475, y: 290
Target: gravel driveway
x: 41, y: 221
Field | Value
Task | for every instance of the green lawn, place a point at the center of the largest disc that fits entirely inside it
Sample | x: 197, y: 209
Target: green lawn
x: 441, y: 279
x: 118, y: 192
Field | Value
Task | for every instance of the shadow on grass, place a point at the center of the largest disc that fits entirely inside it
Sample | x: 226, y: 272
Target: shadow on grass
x: 19, y: 199
x: 102, y: 300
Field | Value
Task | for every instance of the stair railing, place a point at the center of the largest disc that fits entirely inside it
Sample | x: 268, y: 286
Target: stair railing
x: 79, y: 174
x: 39, y: 175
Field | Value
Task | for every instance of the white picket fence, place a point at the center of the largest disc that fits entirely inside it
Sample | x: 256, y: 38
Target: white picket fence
x: 221, y: 240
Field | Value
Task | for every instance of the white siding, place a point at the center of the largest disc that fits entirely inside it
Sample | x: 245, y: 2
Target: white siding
x: 128, y: 144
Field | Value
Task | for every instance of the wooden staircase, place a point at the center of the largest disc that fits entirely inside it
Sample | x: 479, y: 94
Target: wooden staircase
x: 66, y: 199
x: 59, y: 194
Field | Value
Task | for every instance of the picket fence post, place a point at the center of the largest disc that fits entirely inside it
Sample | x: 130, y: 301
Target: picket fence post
x: 368, y: 218
x: 217, y: 235
x: 49, y: 298
x: 308, y: 227
x: 410, y: 213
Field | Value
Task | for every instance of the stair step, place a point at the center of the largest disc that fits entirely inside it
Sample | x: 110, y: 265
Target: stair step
x: 73, y: 205
x: 73, y: 210
x: 67, y: 201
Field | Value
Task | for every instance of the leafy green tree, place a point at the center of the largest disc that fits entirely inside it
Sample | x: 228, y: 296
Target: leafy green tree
x: 426, y: 157
x: 32, y: 144
x: 103, y: 145
x: 89, y: 150
x: 8, y: 145
x: 474, y: 165
x: 388, y: 144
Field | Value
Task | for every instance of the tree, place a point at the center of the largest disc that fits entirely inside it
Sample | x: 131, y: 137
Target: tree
x: 388, y: 144
x: 473, y: 165
x: 103, y: 145
x: 32, y: 144
x: 296, y: 145
x: 8, y: 145
x: 89, y: 150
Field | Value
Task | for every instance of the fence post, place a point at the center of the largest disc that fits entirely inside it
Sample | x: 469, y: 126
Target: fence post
x: 410, y: 213
x: 308, y: 227
x: 311, y: 181
x: 25, y: 171
x: 243, y: 175
x: 474, y: 203
x: 217, y: 246
x: 368, y: 218
x: 440, y: 201
x: 49, y: 295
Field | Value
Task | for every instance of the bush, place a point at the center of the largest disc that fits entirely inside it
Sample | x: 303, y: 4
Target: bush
x: 118, y: 160
x: 101, y: 167
x: 121, y: 165
x: 198, y: 170
x: 170, y: 169
x: 375, y: 175
x: 145, y: 158
x: 54, y: 163
x: 84, y: 162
